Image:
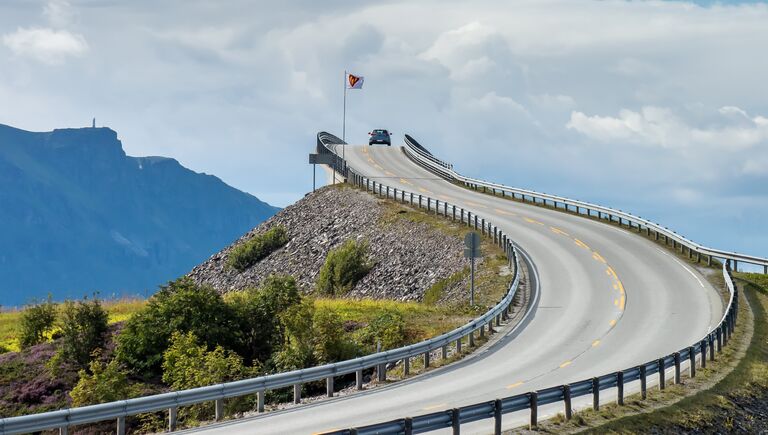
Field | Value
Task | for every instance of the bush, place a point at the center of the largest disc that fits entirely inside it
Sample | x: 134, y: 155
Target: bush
x: 313, y: 336
x: 387, y: 329
x: 258, y: 311
x: 104, y: 383
x: 179, y: 306
x: 36, y: 321
x: 256, y: 248
x: 344, y: 267
x: 84, y: 329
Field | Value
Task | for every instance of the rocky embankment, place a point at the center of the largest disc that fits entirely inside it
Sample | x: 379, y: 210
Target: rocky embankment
x: 409, y: 257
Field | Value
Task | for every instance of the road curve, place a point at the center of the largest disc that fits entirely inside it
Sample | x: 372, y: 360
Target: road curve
x: 609, y: 300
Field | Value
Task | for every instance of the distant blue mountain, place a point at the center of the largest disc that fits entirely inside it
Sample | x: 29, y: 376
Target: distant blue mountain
x: 77, y: 215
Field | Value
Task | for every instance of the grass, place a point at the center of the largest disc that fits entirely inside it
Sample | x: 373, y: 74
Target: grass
x: 720, y: 399
x: 119, y: 310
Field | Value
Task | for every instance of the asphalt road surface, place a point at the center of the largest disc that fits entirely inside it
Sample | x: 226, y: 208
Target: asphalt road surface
x: 609, y: 300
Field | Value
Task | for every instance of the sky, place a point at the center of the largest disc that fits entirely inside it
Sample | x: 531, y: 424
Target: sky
x: 659, y: 108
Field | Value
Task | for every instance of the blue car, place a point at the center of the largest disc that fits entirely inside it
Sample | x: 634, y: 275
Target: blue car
x: 380, y: 137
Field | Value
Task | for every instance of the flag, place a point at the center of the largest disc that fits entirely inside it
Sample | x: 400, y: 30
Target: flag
x: 354, y: 82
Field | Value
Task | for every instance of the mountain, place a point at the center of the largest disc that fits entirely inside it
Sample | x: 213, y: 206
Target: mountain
x: 78, y: 215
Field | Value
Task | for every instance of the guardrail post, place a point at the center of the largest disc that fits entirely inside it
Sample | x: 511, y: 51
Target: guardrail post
x: 469, y: 217
x: 567, y: 401
x: 261, y: 398
x: 173, y: 416
x: 719, y: 333
x: 596, y: 394
x: 64, y: 430
x: 711, y: 346
x: 359, y: 379
x: 455, y: 421
x: 691, y: 362
x: 476, y: 222
x: 381, y: 372
x: 219, y: 404
x: 534, y: 404
x: 426, y: 360
x: 497, y: 417
x: 297, y: 393
x: 703, y: 345
x: 482, y: 330
x: 677, y: 368
x: 471, y: 338
x: 408, y: 426
x: 329, y: 386
x: 643, y: 383
x: 458, y: 345
x: 453, y: 207
x: 662, y: 374
x: 444, y: 351
x: 482, y: 225
x: 120, y: 425
x: 620, y: 388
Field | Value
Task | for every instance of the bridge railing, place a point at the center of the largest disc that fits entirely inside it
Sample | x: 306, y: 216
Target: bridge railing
x: 418, y: 154
x: 673, y: 363
x: 170, y: 402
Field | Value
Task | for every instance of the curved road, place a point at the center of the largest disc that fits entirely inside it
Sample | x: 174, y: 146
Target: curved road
x: 609, y: 300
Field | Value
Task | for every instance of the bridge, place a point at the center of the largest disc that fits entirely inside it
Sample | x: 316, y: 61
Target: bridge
x: 608, y: 301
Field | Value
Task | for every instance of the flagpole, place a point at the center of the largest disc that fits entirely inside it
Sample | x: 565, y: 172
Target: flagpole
x: 344, y: 122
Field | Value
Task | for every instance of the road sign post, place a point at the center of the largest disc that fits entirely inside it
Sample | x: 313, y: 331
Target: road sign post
x: 472, y: 251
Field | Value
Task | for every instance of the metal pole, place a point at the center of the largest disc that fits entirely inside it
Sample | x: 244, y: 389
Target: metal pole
x: 313, y: 176
x: 344, y: 121
x: 472, y: 282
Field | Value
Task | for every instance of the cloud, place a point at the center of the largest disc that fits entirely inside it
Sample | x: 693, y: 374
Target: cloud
x: 59, y: 13
x: 658, y: 126
x: 45, y: 45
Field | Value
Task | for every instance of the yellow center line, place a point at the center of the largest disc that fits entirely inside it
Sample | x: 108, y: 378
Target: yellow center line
x: 533, y: 221
x: 565, y: 364
x: 621, y: 287
x: 580, y: 243
x: 595, y: 343
x: 389, y: 173
x: 613, y: 322
x: 439, y: 405
x: 423, y: 190
x: 445, y: 197
x: 598, y: 257
x: 370, y: 160
x: 622, y: 302
x: 472, y: 204
x: 404, y: 181
x: 515, y: 385
x: 558, y: 231
x: 378, y: 167
x: 616, y: 302
x: 508, y: 213
x: 610, y: 271
x: 615, y: 286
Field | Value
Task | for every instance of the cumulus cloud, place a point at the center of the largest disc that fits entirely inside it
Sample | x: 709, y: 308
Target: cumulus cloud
x: 659, y: 126
x: 59, y: 13
x: 45, y: 45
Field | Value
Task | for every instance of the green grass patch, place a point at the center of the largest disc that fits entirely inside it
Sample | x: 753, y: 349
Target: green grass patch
x: 119, y: 310
x: 249, y: 252
x: 435, y: 292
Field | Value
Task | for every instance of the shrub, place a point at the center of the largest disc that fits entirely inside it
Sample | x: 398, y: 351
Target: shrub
x: 331, y: 344
x: 344, y: 267
x: 258, y: 311
x: 256, y: 248
x: 36, y: 321
x: 104, y: 383
x: 83, y: 330
x: 387, y: 329
x: 179, y: 306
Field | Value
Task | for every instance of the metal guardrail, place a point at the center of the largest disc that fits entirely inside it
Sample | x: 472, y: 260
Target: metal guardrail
x: 170, y: 402
x: 425, y: 159
x: 495, y: 409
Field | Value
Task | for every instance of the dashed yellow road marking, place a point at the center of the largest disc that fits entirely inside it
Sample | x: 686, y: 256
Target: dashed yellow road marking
x: 378, y: 167
x: 423, y: 190
x: 595, y: 343
x: 430, y: 407
x: 389, y: 174
x: 610, y: 271
x: 598, y: 257
x: 613, y: 322
x: 404, y: 181
x: 615, y: 286
x: 515, y: 385
x: 558, y: 231
x: 508, y: 213
x: 533, y: 221
x: 622, y: 302
x: 370, y: 160
x: 580, y: 243
x: 365, y: 150
x: 565, y: 364
x: 621, y: 287
x: 445, y: 197
x: 616, y: 302
x: 473, y: 204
